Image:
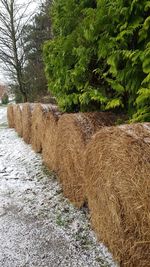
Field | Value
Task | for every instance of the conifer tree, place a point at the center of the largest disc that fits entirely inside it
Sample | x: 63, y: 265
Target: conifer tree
x: 100, y: 56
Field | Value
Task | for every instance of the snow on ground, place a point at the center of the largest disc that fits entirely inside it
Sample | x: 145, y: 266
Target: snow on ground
x: 38, y: 226
x: 3, y: 118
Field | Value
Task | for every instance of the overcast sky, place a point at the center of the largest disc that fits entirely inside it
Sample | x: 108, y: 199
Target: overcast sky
x: 33, y: 6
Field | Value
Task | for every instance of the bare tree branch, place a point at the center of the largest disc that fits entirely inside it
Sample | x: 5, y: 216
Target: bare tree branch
x: 13, y: 20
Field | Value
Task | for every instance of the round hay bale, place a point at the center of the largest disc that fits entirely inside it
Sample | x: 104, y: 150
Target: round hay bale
x: 18, y: 119
x: 39, y: 118
x: 117, y: 171
x: 27, y: 110
x: 74, y: 132
x: 50, y: 139
x: 10, y: 116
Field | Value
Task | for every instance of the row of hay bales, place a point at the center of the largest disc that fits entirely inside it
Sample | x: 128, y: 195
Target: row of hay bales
x: 104, y: 165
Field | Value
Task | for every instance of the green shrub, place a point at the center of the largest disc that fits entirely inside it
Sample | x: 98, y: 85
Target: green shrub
x: 5, y: 99
x: 100, y: 56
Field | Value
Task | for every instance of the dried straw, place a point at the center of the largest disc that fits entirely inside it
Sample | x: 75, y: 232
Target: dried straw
x: 117, y: 175
x: 74, y: 132
x: 39, y: 120
x: 18, y: 119
x: 27, y: 110
x: 10, y: 116
x: 50, y: 139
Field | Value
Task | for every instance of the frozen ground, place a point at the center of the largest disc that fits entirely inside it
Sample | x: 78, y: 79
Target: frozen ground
x: 38, y: 226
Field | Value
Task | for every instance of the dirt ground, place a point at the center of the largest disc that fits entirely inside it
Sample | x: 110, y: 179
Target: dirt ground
x: 38, y: 226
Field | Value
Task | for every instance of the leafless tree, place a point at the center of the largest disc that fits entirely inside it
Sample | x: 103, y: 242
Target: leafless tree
x: 13, y: 19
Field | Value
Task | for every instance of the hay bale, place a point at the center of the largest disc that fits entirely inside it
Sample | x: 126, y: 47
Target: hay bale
x: 39, y: 119
x: 18, y: 119
x: 10, y: 116
x: 50, y: 139
x: 74, y: 132
x: 117, y: 171
x: 27, y: 110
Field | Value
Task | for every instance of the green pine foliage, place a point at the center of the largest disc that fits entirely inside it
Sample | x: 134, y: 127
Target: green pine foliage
x: 99, y: 57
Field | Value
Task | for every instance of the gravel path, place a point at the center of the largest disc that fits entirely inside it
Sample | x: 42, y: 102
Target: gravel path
x: 38, y: 226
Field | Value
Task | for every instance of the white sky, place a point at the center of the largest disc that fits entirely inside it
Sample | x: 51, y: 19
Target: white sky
x: 33, y: 6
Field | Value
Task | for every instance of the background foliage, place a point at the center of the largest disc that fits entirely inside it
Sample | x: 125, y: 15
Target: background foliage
x: 99, y: 57
x: 35, y: 34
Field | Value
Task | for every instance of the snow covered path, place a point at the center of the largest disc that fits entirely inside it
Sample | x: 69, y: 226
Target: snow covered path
x: 38, y: 226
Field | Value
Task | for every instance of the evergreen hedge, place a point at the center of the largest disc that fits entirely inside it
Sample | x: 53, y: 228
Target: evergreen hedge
x: 99, y: 57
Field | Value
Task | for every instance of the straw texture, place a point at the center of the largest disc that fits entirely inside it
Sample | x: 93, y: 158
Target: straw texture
x: 117, y: 177
x: 74, y: 132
